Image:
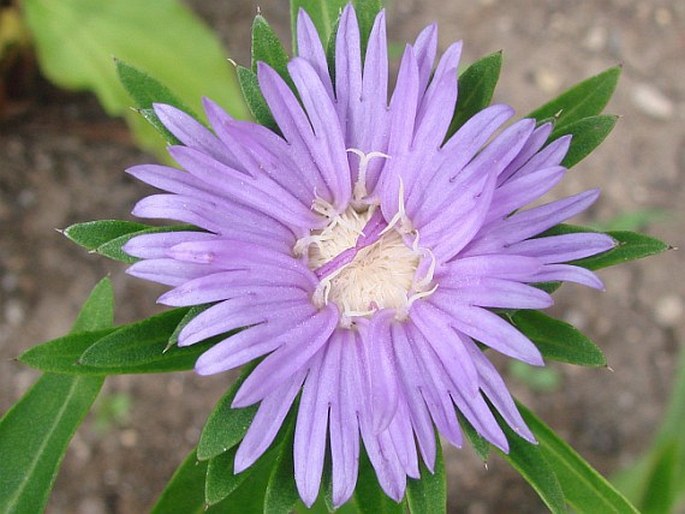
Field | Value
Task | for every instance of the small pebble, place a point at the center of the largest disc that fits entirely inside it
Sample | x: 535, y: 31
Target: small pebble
x: 668, y: 310
x: 596, y: 38
x: 652, y: 102
x: 14, y: 313
x: 548, y: 81
x: 128, y: 438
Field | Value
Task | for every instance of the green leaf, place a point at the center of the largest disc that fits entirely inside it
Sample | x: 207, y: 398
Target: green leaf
x: 429, y: 493
x: 367, y: 10
x: 142, y: 347
x: 98, y: 310
x: 185, y: 490
x: 35, y: 432
x: 34, y: 435
x: 146, y: 91
x: 324, y: 14
x: 588, y: 134
x: 76, y: 39
x: 113, y: 248
x: 225, y: 426
x: 634, y: 481
x: 249, y: 86
x: 476, y: 87
x: 221, y: 480
x: 629, y: 246
x: 479, y: 444
x: 587, y: 98
x: 266, y: 47
x: 281, y: 492
x: 92, y: 234
x: 107, y: 237
x: 135, y: 348
x: 545, y: 379
x: 61, y: 355
x: 558, y: 340
x: 189, y: 316
x: 368, y: 495
x: 529, y: 461
x: 660, y: 492
x: 584, y: 488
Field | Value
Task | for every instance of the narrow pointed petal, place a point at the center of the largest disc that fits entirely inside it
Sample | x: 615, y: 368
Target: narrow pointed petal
x: 266, y: 423
x: 496, y: 390
x: 490, y: 329
x: 169, y: 272
x: 569, y: 273
x: 447, y: 345
x: 563, y: 248
x: 381, y: 367
x: 309, y: 449
x: 530, y: 149
x: 303, y: 343
x: 344, y: 427
x: 251, y: 343
x: 425, y: 48
x: 309, y: 47
x: 410, y: 375
x: 192, y: 133
x: 155, y: 246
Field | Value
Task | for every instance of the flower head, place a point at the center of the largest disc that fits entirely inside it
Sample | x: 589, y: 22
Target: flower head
x: 364, y: 253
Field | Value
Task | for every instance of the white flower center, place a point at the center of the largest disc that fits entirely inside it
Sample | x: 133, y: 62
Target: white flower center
x: 364, y: 264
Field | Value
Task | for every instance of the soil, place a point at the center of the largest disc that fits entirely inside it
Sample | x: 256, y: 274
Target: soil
x: 62, y: 162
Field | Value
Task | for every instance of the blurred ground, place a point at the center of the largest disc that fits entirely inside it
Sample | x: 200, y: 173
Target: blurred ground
x: 61, y: 162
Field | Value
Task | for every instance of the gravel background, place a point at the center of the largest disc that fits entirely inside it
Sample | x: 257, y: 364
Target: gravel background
x: 61, y: 161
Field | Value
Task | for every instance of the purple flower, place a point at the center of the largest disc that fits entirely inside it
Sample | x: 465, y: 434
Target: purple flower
x: 363, y: 253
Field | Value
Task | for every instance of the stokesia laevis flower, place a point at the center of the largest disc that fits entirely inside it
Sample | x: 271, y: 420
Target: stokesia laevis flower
x: 364, y: 253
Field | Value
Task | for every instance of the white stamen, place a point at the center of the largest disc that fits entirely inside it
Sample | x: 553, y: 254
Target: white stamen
x: 360, y: 192
x: 401, y: 215
x: 381, y: 273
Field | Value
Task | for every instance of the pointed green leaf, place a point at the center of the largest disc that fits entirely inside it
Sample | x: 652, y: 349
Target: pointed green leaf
x: 266, y: 47
x: 476, y: 87
x: 107, y: 237
x: 249, y: 86
x: 631, y: 246
x: 324, y: 14
x: 142, y: 347
x: 530, y: 462
x: 558, y: 340
x: 368, y: 495
x: 61, y: 355
x: 221, y: 480
x: 92, y: 234
x: 113, y: 248
x: 587, y: 98
x: 588, y: 134
x: 98, y: 310
x: 226, y: 426
x: 35, y: 432
x: 429, y: 493
x: 145, y: 91
x: 584, y: 488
